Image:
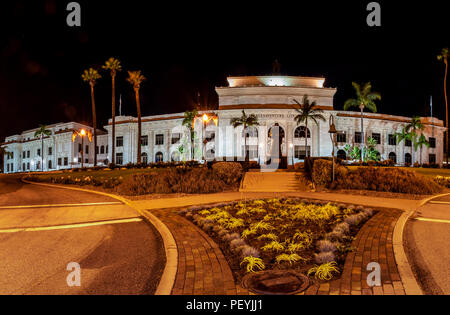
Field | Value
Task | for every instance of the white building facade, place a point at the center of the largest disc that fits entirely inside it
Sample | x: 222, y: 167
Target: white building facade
x: 271, y: 98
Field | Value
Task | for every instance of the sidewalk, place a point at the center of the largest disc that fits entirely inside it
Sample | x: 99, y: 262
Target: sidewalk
x: 202, y: 268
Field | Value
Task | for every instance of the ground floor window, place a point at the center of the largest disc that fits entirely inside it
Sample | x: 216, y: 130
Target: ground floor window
x: 300, y: 152
x: 50, y: 166
x: 28, y: 166
x: 59, y: 161
x: 38, y: 165
x: 7, y: 168
x: 23, y: 166
x: 341, y: 155
x: 432, y: 159
x: 66, y: 161
x: 144, y: 158
x: 119, y: 158
x: 393, y: 157
x: 159, y: 157
x: 408, y: 159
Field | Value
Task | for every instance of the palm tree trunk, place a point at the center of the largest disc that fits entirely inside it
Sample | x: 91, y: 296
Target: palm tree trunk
x: 192, y: 143
x: 42, y: 153
x: 138, y: 105
x: 362, y: 133
x: 306, y: 138
x: 113, y: 143
x: 446, y: 104
x: 94, y: 122
x: 245, y: 145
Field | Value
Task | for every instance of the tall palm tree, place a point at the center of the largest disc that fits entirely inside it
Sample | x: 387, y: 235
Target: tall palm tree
x: 136, y: 78
x: 91, y: 76
x: 42, y: 132
x: 188, y: 121
x: 365, y: 98
x: 444, y: 57
x: 421, y: 141
x: 245, y: 121
x: 412, y: 128
x: 307, y: 112
x: 113, y: 66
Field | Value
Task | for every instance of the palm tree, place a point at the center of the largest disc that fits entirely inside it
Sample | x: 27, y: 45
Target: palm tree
x: 42, y: 132
x: 421, y: 141
x: 403, y: 135
x: 307, y: 112
x: 245, y: 121
x: 136, y: 78
x: 188, y: 121
x: 113, y: 66
x: 365, y: 98
x: 91, y: 76
x: 412, y: 129
x: 444, y: 57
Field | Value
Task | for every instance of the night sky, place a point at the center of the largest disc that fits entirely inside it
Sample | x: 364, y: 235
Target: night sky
x: 188, y: 47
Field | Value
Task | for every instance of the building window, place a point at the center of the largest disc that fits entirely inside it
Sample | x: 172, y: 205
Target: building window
x: 432, y: 142
x: 301, y: 131
x: 86, y: 161
x: 102, y: 149
x: 119, y: 158
x: 50, y: 150
x: 106, y: 149
x: 252, y: 151
x: 23, y: 166
x: 144, y: 141
x: 28, y: 166
x: 66, y: 161
x: 86, y: 149
x: 38, y: 165
x: 376, y: 137
x: 11, y: 155
x: 144, y: 157
x: 24, y: 154
x: 300, y: 152
x: 28, y: 154
x: 251, y: 132
x: 119, y: 141
x: 358, y: 137
x: 12, y: 167
x: 96, y: 150
x: 159, y: 139
x: 159, y: 157
x: 341, y: 155
x: 176, y: 138
x: 392, y: 139
x: 7, y: 168
x: 38, y: 152
x: 393, y: 157
x: 50, y: 165
x: 79, y: 147
x: 210, y: 136
x: 59, y: 161
x: 341, y: 137
x: 407, y: 143
x: 408, y: 159
x: 432, y: 159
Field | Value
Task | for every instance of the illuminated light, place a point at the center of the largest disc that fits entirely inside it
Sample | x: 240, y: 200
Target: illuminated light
x: 75, y: 160
x: 205, y: 117
x: 291, y: 145
x: 83, y: 132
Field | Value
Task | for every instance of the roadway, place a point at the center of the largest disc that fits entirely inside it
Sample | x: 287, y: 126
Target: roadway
x: 43, y: 229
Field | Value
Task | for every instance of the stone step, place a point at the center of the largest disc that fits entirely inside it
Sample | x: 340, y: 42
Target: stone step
x: 272, y: 182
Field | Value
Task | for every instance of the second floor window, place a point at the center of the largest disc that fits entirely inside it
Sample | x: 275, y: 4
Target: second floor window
x: 357, y: 137
x: 341, y: 137
x: 38, y: 152
x: 407, y: 143
x: 50, y: 150
x: 392, y: 140
x: 66, y: 161
x: 86, y: 149
x: 159, y: 139
x: 119, y: 141
x: 376, y: 137
x: 144, y: 141
x: 432, y: 142
x: 28, y: 155
x: 175, y: 138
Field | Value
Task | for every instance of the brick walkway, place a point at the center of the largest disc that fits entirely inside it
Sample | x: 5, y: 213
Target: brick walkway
x: 202, y: 268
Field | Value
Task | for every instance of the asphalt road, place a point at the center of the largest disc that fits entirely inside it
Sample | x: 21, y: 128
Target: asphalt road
x: 43, y: 229
x: 427, y: 238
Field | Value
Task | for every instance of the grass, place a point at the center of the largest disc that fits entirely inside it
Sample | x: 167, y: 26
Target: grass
x: 428, y: 172
x: 124, y: 173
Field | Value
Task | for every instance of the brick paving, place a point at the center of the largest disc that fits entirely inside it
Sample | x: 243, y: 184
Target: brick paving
x: 203, y: 269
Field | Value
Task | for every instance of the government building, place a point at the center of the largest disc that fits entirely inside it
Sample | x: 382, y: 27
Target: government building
x: 271, y: 98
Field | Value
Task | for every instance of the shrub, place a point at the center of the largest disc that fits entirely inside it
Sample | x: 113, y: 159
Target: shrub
x: 249, y: 251
x: 234, y: 244
x: 326, y: 246
x: 322, y: 172
x: 389, y: 180
x: 229, y: 172
x: 324, y: 257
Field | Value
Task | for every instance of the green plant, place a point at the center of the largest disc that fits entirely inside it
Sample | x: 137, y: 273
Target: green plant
x: 269, y: 236
x: 324, y: 271
x: 262, y: 226
x: 253, y: 263
x: 274, y: 245
x: 245, y: 121
x: 290, y: 258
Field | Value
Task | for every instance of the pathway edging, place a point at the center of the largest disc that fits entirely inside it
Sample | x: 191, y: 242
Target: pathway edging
x: 168, y: 277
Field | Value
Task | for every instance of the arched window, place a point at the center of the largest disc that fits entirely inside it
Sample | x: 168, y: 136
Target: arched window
x: 408, y: 159
x: 301, y: 131
x: 158, y: 157
x: 102, y: 149
x: 341, y: 155
x: 280, y: 130
x: 392, y: 156
x: 50, y: 164
x: 210, y: 155
x: 144, y: 158
x: 175, y: 156
x: 252, y: 132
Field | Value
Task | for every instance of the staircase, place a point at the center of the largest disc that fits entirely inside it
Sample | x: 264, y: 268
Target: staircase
x: 273, y: 182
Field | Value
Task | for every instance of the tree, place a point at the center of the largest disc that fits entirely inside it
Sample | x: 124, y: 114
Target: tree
x: 245, y: 121
x: 113, y: 66
x: 403, y: 135
x: 42, y: 132
x: 307, y: 112
x: 365, y: 98
x: 371, y: 153
x: 444, y: 57
x: 136, y: 78
x: 412, y: 128
x: 3, y: 152
x: 188, y: 121
x: 421, y: 141
x: 91, y: 76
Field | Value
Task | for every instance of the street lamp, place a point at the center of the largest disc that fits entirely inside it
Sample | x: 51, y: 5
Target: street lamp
x: 332, y: 133
x: 205, y: 119
x: 82, y: 133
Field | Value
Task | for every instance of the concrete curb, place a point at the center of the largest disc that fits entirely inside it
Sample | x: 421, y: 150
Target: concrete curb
x: 170, y: 270
x: 408, y: 279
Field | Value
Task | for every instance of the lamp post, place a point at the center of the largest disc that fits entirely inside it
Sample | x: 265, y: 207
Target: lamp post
x: 332, y: 133
x: 205, y: 120
x: 82, y: 133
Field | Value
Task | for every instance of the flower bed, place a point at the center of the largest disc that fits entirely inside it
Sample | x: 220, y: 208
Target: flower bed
x: 310, y: 237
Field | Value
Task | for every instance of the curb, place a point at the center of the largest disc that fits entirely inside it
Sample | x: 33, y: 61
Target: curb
x: 168, y: 277
x: 408, y: 279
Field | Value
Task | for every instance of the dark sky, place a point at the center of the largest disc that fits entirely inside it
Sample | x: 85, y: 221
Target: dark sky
x: 189, y: 46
